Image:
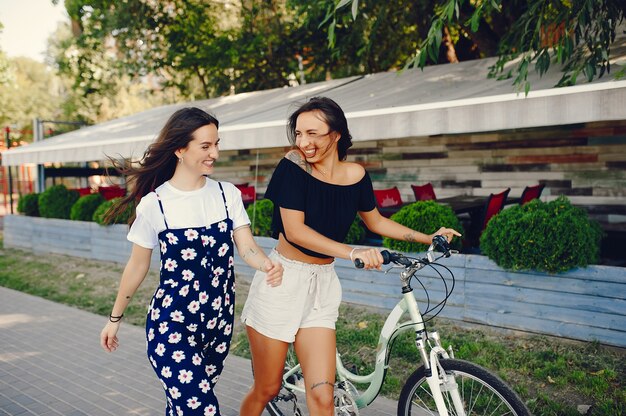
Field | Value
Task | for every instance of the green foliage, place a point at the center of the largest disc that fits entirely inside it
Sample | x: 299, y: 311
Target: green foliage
x: 590, y: 26
x: 576, y: 35
x: 260, y: 214
x: 29, y: 205
x: 86, y: 205
x: 25, y: 93
x: 356, y: 233
x: 100, y: 213
x: 200, y: 48
x: 426, y: 217
x: 56, y: 202
x: 552, y: 237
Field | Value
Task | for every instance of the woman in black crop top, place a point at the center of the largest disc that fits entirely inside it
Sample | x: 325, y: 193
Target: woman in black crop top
x: 316, y: 195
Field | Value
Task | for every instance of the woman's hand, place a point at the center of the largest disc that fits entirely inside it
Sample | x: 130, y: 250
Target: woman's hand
x: 371, y: 258
x: 108, y: 336
x: 274, y: 271
x: 448, y: 233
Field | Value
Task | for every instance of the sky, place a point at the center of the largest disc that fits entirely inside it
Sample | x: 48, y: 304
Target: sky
x: 27, y: 26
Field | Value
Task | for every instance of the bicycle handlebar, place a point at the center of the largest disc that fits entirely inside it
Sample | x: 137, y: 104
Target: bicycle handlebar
x: 439, y: 242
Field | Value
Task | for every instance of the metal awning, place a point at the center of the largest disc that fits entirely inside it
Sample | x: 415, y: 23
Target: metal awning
x: 442, y: 99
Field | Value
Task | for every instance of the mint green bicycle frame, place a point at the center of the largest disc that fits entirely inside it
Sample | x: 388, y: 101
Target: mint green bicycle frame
x: 391, y: 329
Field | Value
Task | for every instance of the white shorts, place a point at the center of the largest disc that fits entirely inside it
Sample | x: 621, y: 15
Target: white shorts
x: 308, y: 297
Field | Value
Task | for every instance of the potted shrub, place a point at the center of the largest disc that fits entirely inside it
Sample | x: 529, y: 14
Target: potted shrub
x: 260, y: 214
x: 99, y: 214
x: 84, y: 208
x: 29, y: 205
x: 551, y: 237
x: 426, y: 217
x: 356, y: 233
x: 56, y: 202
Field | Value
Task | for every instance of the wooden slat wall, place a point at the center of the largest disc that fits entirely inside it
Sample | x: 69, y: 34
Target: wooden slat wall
x: 585, y: 162
x: 585, y: 304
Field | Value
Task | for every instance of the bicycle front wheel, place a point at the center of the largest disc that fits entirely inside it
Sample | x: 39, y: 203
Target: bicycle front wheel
x: 482, y: 393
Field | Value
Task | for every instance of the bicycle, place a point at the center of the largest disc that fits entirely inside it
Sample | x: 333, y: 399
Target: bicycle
x: 441, y: 386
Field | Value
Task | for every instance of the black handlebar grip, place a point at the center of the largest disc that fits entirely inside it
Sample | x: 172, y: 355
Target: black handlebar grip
x: 386, y: 256
x: 358, y: 263
x: 441, y: 242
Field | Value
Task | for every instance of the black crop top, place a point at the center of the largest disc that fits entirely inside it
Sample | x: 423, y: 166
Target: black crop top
x: 328, y: 209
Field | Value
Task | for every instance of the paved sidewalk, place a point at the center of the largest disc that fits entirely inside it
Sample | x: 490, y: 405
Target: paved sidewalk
x: 51, y: 363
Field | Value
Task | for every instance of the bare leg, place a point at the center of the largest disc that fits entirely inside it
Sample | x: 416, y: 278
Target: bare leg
x: 268, y: 360
x: 315, y: 348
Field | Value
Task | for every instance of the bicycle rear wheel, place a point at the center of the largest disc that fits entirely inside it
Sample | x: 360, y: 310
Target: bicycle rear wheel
x: 482, y: 393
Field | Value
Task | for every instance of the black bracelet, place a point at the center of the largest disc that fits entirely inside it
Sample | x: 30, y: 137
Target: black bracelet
x: 115, y: 318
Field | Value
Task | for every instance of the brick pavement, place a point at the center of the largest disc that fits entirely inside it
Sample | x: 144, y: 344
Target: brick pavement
x: 51, y: 363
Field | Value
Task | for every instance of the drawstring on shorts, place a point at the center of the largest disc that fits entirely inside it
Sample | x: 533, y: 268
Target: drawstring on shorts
x: 314, y: 286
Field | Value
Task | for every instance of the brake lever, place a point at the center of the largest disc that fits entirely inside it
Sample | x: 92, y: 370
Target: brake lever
x: 395, y: 266
x: 430, y: 256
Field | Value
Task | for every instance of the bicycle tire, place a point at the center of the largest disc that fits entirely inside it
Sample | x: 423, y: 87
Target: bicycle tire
x: 481, y: 391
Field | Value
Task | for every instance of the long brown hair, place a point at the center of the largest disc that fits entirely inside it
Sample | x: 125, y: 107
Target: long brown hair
x: 159, y: 161
x: 334, y: 117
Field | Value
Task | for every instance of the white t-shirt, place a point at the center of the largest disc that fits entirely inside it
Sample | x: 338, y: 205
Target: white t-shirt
x: 183, y: 209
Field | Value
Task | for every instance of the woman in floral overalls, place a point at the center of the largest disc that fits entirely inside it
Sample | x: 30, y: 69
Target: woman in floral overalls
x: 193, y: 221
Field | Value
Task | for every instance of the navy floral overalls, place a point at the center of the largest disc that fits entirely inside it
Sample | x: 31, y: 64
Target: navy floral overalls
x: 190, y: 319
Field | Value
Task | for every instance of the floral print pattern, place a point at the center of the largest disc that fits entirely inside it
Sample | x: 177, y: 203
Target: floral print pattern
x: 190, y: 319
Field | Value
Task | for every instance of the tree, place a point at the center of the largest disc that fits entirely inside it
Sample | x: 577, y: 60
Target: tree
x: 92, y: 85
x: 575, y: 34
x: 264, y: 49
x: 28, y: 91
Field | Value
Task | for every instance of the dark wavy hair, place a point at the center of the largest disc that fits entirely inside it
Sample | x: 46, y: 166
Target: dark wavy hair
x: 159, y: 161
x: 333, y: 116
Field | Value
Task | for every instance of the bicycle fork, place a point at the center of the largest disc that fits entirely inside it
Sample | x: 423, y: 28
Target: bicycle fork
x: 438, y: 380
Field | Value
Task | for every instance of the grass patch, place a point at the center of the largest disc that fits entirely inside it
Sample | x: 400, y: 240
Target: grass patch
x: 553, y: 376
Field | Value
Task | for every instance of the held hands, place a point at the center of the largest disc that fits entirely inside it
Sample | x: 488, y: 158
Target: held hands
x: 274, y: 272
x: 108, y: 336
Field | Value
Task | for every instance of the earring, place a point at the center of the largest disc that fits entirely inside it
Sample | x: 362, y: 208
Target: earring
x: 180, y: 159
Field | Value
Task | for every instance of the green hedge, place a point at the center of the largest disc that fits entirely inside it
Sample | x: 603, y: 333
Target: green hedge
x: 56, y: 202
x: 426, y: 217
x: 86, y: 205
x: 356, y: 233
x: 260, y: 214
x: 100, y: 212
x: 29, y: 205
x: 551, y: 237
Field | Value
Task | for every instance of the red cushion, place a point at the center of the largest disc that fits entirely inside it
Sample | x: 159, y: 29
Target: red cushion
x: 83, y: 191
x: 424, y: 192
x: 495, y: 203
x: 388, y: 197
x: 110, y: 192
x: 531, y: 192
x: 248, y: 193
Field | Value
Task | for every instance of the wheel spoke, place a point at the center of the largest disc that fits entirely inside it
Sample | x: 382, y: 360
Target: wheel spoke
x: 481, y: 393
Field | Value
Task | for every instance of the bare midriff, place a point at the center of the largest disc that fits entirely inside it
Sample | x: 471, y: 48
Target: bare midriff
x: 287, y: 250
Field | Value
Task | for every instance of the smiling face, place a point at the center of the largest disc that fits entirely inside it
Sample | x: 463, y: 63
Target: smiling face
x: 314, y: 137
x: 201, y: 152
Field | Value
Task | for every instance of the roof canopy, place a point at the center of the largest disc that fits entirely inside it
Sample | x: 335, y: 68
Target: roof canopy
x: 442, y: 99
